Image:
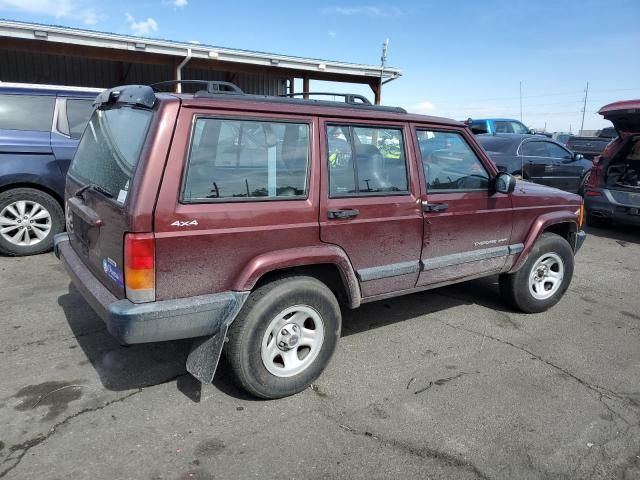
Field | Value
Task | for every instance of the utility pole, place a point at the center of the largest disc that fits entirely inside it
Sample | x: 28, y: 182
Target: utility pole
x: 584, y: 108
x: 383, y: 63
x: 520, y: 100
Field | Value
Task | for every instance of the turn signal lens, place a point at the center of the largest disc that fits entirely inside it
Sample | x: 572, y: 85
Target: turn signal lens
x: 581, y: 215
x: 140, y: 267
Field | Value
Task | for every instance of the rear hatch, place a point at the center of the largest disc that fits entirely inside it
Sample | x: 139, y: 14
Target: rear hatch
x: 625, y: 116
x: 98, y: 187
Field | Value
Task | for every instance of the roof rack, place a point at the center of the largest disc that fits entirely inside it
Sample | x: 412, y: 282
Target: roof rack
x: 218, y: 89
x: 348, y: 97
x: 213, y: 86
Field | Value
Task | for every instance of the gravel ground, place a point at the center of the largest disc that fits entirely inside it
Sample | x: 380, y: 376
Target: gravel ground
x: 442, y: 384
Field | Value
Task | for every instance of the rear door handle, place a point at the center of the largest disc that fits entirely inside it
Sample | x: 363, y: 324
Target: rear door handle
x: 434, y: 207
x: 342, y: 214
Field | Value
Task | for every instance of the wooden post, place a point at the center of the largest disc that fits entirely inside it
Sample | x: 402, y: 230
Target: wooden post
x: 377, y: 91
x: 305, y: 87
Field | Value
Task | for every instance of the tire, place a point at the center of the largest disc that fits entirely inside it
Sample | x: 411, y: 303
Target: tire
x: 550, y: 255
x: 267, y: 362
x: 47, y: 221
x: 583, y: 183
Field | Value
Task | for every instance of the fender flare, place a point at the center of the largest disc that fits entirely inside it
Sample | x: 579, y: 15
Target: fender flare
x: 300, y: 257
x: 543, y: 222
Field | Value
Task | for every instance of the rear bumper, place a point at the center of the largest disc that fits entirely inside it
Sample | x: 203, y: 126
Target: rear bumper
x: 605, y: 206
x: 154, y: 321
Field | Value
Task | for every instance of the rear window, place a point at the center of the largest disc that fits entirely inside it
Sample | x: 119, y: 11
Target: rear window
x: 26, y: 112
x: 109, y: 149
x: 247, y: 159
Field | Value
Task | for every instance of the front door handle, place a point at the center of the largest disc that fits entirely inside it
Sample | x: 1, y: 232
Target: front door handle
x: 342, y: 214
x: 434, y: 207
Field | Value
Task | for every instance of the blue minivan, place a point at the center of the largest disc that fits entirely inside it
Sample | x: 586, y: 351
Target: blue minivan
x: 40, y: 127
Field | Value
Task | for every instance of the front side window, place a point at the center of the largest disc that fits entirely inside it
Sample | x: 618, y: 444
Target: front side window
x: 27, y: 112
x: 556, y: 151
x: 449, y: 163
x: 366, y: 160
x: 247, y: 159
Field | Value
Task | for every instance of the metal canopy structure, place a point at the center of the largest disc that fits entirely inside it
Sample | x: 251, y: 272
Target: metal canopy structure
x: 36, y: 53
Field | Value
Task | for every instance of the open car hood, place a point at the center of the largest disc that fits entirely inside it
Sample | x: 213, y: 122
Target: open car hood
x: 625, y: 116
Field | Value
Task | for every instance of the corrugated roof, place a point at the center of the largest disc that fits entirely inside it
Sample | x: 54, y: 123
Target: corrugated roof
x: 79, y: 36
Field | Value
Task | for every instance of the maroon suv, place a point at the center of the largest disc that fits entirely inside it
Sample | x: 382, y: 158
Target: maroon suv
x: 249, y: 221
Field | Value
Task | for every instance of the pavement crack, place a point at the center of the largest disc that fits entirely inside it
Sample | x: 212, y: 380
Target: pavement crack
x: 17, y: 452
x: 423, y: 452
x: 601, y: 391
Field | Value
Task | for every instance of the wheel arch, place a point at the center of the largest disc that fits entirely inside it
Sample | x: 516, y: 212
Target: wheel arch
x: 34, y: 186
x: 562, y: 223
x: 327, y: 263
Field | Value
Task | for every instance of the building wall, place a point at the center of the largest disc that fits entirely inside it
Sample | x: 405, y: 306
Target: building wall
x: 33, y: 67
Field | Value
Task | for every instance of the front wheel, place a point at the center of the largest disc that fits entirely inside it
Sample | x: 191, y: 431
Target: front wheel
x: 284, y: 336
x: 543, y: 279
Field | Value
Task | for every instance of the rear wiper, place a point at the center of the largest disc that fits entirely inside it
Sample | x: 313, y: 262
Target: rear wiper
x: 93, y: 186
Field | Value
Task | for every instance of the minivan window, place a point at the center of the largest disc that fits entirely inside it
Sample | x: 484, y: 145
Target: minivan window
x: 366, y: 160
x: 110, y: 147
x: 78, y: 114
x: 449, y: 163
x: 27, y: 112
x: 247, y: 159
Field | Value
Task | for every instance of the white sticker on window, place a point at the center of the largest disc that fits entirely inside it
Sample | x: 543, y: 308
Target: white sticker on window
x: 122, y: 196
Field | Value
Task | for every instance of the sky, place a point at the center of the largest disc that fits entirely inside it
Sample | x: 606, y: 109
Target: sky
x: 459, y: 59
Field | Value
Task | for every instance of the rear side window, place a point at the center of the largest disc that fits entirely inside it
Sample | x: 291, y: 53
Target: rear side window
x: 449, y: 163
x: 109, y: 149
x: 366, y: 160
x: 247, y: 159
x: 534, y: 149
x: 26, y: 112
x: 78, y: 114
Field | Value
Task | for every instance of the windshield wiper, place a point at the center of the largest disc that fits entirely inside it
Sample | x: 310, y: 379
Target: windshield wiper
x: 93, y: 186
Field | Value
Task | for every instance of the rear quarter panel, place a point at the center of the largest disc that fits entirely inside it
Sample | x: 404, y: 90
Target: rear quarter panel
x: 209, y: 257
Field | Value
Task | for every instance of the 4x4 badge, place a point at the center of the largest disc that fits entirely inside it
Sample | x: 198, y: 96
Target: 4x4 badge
x: 188, y: 223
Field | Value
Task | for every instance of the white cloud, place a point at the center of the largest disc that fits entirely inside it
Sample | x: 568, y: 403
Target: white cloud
x: 332, y: 34
x: 143, y: 27
x: 370, y: 10
x: 72, y: 9
x: 423, y: 107
x: 180, y: 3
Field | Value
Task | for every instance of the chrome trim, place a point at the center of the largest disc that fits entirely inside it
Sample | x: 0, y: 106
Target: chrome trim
x: 390, y: 270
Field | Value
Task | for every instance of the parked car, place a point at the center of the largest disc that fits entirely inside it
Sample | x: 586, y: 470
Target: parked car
x: 497, y: 125
x: 591, y: 147
x: 561, y: 137
x: 613, y: 189
x: 248, y: 221
x: 40, y: 127
x: 537, y: 159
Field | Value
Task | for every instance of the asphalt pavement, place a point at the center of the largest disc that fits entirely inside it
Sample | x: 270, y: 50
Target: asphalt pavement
x: 448, y: 383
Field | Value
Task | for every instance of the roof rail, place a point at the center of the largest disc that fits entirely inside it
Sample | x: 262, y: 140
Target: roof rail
x: 349, y: 98
x: 213, y: 86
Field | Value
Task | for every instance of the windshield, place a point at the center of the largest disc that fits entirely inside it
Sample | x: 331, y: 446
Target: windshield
x: 109, y: 150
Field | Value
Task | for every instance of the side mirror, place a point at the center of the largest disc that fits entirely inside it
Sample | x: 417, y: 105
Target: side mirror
x: 577, y: 156
x: 504, y: 183
x: 501, y: 168
x: 532, y: 131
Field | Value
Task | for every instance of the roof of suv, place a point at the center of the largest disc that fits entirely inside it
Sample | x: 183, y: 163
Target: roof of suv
x: 306, y: 106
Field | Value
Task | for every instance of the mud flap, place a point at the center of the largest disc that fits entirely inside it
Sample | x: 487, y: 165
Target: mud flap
x: 203, y: 359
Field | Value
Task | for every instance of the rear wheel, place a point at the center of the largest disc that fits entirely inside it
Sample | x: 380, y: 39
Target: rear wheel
x: 543, y: 279
x: 29, y: 219
x: 284, y: 336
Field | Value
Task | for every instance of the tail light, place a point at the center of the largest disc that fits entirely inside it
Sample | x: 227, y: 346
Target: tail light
x: 596, y: 177
x: 140, y: 267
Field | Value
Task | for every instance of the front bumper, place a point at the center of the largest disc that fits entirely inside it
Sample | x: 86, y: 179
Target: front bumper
x: 154, y: 321
x: 581, y: 236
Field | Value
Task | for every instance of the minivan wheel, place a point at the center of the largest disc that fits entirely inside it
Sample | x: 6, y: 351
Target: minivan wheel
x: 544, y: 278
x: 29, y: 219
x: 284, y: 336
